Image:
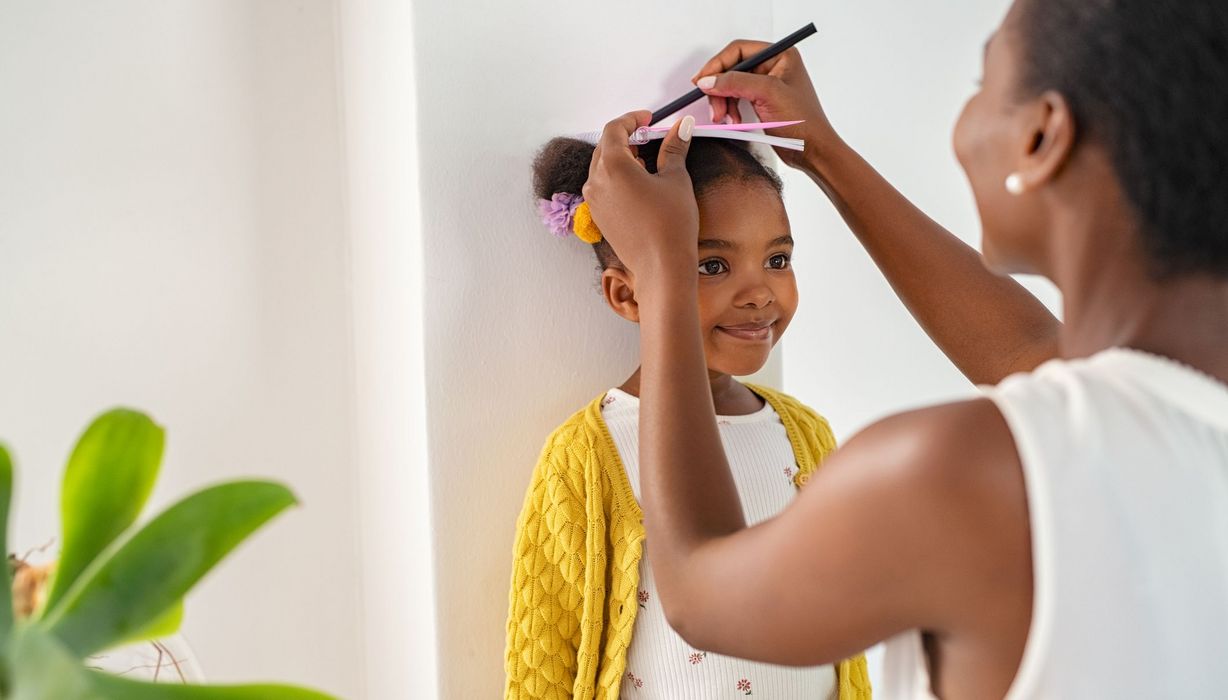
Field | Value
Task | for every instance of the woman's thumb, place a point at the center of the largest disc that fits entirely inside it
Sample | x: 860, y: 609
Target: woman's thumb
x: 672, y: 156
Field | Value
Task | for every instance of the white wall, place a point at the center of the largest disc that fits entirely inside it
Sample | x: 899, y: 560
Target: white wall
x: 379, y: 90
x: 171, y: 238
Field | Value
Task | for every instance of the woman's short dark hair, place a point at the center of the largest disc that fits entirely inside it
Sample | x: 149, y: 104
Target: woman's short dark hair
x: 562, y: 166
x: 1148, y: 81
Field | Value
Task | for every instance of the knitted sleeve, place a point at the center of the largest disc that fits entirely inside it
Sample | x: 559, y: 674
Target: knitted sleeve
x: 818, y: 435
x: 545, y: 612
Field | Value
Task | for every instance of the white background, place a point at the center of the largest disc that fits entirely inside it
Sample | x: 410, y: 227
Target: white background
x: 300, y: 234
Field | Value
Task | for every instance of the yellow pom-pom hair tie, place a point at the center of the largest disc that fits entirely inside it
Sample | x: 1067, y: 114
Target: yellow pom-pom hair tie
x: 584, y: 226
x: 565, y: 214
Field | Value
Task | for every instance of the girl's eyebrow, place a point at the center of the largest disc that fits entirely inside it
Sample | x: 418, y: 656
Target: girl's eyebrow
x: 722, y: 244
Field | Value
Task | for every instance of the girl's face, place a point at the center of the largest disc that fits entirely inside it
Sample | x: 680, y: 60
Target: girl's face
x: 747, y: 292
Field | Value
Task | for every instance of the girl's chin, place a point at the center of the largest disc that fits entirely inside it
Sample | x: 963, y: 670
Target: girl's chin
x: 741, y: 368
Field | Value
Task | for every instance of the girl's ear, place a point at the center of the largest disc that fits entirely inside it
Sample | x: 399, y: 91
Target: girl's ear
x: 618, y: 288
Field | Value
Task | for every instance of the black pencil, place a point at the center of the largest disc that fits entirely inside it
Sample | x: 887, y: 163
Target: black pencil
x: 747, y: 65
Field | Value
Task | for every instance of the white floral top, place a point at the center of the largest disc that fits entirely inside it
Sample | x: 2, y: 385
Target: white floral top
x: 660, y: 665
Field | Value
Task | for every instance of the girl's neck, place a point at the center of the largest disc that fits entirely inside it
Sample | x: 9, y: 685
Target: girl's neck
x: 730, y: 397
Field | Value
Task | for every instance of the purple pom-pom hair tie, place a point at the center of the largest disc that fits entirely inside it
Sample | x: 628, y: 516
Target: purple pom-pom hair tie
x: 559, y: 212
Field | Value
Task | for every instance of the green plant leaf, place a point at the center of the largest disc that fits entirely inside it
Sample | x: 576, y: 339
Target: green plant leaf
x: 116, y: 688
x: 6, y: 578
x: 164, y: 626
x: 109, y: 477
x: 41, y: 668
x: 137, y: 580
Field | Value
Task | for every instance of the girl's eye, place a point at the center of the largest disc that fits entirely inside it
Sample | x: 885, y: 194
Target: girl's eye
x: 779, y: 262
x: 710, y: 268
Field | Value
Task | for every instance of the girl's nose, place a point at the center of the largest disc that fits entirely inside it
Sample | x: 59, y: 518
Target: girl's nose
x: 755, y: 296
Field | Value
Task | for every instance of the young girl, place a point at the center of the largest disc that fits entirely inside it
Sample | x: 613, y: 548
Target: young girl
x: 584, y: 619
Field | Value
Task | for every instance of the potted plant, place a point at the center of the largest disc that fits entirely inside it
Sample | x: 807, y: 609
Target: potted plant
x: 114, y: 583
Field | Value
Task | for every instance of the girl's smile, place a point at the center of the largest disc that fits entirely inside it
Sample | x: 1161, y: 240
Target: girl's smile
x: 755, y: 331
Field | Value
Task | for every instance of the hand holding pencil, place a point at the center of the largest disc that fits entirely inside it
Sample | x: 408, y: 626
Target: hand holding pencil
x: 779, y: 89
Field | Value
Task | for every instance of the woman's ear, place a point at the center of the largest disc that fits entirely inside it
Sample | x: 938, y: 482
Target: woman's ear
x: 1050, y: 143
x: 618, y: 288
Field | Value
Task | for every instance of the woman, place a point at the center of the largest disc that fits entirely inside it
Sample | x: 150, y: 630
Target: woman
x: 1066, y: 535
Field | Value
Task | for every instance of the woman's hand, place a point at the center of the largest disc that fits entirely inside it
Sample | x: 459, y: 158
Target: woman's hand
x: 652, y: 221
x: 778, y: 90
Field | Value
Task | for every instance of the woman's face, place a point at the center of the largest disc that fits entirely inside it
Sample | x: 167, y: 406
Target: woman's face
x: 747, y: 292
x: 991, y: 139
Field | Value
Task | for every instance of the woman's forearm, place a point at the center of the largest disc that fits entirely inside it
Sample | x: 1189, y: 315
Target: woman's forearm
x: 987, y: 324
x: 689, y: 493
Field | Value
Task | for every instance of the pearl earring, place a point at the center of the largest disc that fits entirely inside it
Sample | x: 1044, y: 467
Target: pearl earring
x: 1014, y: 184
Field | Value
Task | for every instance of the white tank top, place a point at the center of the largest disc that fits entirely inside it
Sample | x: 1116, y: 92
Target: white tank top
x: 1125, y: 457
x: 660, y: 664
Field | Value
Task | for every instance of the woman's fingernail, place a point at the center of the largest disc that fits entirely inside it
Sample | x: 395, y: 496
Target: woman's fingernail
x: 706, y: 83
x: 688, y: 125
x: 728, y: 119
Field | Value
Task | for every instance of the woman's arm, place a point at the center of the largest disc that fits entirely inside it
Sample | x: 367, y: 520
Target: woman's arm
x: 919, y: 522
x: 988, y: 325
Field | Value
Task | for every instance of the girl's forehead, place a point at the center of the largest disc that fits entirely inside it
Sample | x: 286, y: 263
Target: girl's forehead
x: 740, y: 194
x: 746, y: 215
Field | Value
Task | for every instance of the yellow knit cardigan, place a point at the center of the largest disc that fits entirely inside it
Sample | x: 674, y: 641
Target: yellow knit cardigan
x: 578, y: 544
